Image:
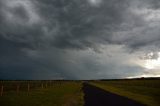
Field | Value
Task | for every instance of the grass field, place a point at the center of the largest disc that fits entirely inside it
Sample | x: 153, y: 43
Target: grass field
x: 144, y: 91
x: 69, y: 93
x: 59, y: 94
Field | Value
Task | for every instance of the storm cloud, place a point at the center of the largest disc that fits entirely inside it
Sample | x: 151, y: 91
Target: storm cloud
x: 77, y: 39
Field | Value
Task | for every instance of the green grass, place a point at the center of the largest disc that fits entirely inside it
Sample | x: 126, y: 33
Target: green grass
x: 69, y: 93
x: 66, y: 94
x: 144, y: 91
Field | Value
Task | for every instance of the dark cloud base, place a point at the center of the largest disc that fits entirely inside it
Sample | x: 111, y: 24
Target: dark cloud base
x: 63, y: 39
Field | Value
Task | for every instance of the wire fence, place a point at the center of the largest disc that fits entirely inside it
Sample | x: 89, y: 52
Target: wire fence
x: 26, y: 86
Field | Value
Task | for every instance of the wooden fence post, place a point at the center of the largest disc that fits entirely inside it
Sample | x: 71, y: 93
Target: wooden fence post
x: 46, y: 84
x: 2, y: 87
x: 28, y: 88
x: 17, y: 89
x: 42, y: 85
x: 50, y: 83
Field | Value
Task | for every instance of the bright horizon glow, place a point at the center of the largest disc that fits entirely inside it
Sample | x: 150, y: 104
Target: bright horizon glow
x: 144, y: 76
x: 152, y: 63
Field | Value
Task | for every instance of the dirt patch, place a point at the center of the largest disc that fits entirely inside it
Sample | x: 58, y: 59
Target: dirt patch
x: 70, y: 100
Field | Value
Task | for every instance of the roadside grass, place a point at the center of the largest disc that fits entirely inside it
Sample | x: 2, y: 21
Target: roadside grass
x: 66, y: 94
x: 144, y: 91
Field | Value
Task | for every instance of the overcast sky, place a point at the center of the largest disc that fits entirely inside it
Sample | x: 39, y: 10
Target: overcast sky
x: 79, y: 39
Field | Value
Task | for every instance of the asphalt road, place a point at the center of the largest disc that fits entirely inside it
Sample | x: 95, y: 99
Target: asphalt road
x: 95, y: 96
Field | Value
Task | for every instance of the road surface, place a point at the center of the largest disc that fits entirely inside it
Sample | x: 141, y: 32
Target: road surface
x: 95, y: 96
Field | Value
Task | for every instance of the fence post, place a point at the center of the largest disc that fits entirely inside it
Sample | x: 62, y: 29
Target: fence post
x: 42, y: 85
x: 2, y: 87
x: 28, y: 88
x: 46, y: 84
x: 17, y: 89
x: 50, y: 83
